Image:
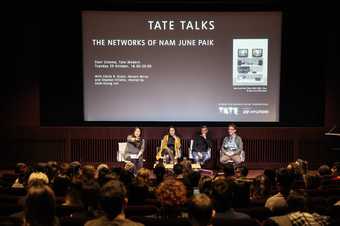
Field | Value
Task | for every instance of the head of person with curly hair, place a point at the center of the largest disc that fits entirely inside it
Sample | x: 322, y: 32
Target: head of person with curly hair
x: 171, y: 193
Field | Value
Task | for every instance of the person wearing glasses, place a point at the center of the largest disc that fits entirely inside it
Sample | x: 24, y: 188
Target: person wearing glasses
x: 232, y: 147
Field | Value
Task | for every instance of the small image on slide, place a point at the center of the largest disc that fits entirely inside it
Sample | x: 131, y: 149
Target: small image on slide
x: 257, y: 52
x: 242, y: 52
x: 250, y: 70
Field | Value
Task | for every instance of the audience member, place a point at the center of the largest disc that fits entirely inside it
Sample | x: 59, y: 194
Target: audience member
x: 222, y: 196
x: 200, y: 210
x: 172, y: 195
x: 113, y: 200
x: 40, y: 206
x: 285, y: 180
x: 297, y: 215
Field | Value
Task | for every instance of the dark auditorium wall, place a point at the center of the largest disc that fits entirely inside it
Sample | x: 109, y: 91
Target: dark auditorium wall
x: 24, y: 139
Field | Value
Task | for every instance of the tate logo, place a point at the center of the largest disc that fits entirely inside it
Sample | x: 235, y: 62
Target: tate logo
x: 229, y: 110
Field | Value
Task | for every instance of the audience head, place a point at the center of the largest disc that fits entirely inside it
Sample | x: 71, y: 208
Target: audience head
x: 171, y: 193
x: 74, y: 170
x: 243, y: 171
x: 159, y: 172
x: 295, y: 202
x: 222, y: 195
x: 38, y: 176
x: 20, y: 168
x: 126, y: 177
x: 336, y: 169
x: 143, y: 176
x: 64, y: 168
x: 88, y: 172
x: 324, y: 170
x: 312, y: 182
x: 271, y: 176
x: 130, y: 167
x: 102, y: 169
x: 113, y: 198
x: 200, y: 209
x: 186, y: 164
x: 178, y: 169
x: 302, y: 166
x: 229, y: 170
x: 205, y: 184
x: 22, y: 171
x: 285, y: 180
x: 261, y: 187
x: 40, y: 206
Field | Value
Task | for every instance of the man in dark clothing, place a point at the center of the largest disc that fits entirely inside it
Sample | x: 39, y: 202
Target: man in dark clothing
x: 201, y: 148
x: 113, y: 200
x: 222, y: 201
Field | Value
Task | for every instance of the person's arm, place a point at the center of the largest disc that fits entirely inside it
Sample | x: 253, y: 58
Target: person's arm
x: 163, y: 146
x: 239, y: 144
x: 177, y: 147
x: 141, y: 151
x: 194, y: 145
x: 222, y: 147
x: 130, y: 139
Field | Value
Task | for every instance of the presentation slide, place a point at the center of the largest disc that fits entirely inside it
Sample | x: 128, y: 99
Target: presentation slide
x: 181, y: 66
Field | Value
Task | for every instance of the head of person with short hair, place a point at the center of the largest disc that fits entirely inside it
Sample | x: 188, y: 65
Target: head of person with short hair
x: 22, y: 172
x: 186, y: 164
x: 64, y: 169
x: 232, y: 129
x: 228, y: 170
x: 159, y: 172
x: 221, y: 194
x: 88, y: 172
x: 204, y: 130
x: 200, y: 210
x: 113, y: 200
x: 178, y: 169
x: 243, y: 171
x: 38, y: 176
x: 205, y: 184
x: 74, y: 170
x: 285, y: 181
x: 296, y: 202
x: 40, y: 206
x: 324, y: 170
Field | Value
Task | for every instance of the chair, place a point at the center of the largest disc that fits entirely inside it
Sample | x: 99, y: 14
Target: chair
x: 121, y: 151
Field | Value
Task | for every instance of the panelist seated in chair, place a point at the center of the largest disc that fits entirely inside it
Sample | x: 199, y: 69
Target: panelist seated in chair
x: 170, y: 149
x: 232, y: 147
x: 201, y: 147
x: 135, y: 148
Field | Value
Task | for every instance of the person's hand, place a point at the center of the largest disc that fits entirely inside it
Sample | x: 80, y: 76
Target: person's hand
x: 204, y: 136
